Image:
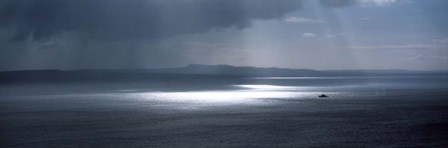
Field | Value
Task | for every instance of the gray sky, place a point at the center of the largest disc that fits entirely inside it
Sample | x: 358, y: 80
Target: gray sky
x: 314, y: 34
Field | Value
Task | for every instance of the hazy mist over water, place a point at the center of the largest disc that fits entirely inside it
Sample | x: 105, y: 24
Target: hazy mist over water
x: 243, y: 112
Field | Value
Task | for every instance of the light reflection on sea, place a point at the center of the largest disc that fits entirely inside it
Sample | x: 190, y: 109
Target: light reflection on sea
x: 241, y: 95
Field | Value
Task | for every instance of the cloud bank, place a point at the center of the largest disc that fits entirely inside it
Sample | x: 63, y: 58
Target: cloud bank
x: 135, y: 19
x: 142, y: 19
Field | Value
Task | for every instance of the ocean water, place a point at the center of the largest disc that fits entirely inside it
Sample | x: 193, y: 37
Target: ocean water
x: 245, y: 112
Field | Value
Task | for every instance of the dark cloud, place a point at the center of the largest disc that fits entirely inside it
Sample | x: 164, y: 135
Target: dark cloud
x: 338, y: 3
x: 134, y: 19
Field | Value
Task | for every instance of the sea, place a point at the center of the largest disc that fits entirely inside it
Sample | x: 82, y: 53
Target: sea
x: 228, y: 112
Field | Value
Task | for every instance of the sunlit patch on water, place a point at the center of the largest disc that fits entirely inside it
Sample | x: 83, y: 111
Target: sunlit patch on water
x: 249, y: 94
x: 266, y: 87
x: 219, y: 97
x: 242, y: 95
x: 276, y: 88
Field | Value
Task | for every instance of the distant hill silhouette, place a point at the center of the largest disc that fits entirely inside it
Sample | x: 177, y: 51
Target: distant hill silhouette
x: 194, y: 71
x: 242, y: 71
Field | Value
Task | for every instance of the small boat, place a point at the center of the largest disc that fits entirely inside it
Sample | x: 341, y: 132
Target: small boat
x: 323, y: 96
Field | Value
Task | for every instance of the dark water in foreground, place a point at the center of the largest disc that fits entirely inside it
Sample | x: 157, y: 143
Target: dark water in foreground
x: 258, y: 112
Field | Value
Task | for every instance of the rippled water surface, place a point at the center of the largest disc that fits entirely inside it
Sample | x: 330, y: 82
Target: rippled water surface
x: 250, y: 112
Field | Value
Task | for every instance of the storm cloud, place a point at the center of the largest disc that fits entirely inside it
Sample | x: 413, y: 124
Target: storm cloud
x: 135, y: 19
x: 115, y: 34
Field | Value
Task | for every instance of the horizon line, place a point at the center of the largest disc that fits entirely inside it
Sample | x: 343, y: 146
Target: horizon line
x: 185, y: 66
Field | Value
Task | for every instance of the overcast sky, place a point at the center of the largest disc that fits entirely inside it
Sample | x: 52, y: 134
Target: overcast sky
x: 313, y: 34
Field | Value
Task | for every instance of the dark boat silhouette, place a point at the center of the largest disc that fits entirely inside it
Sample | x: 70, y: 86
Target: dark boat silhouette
x: 323, y: 96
